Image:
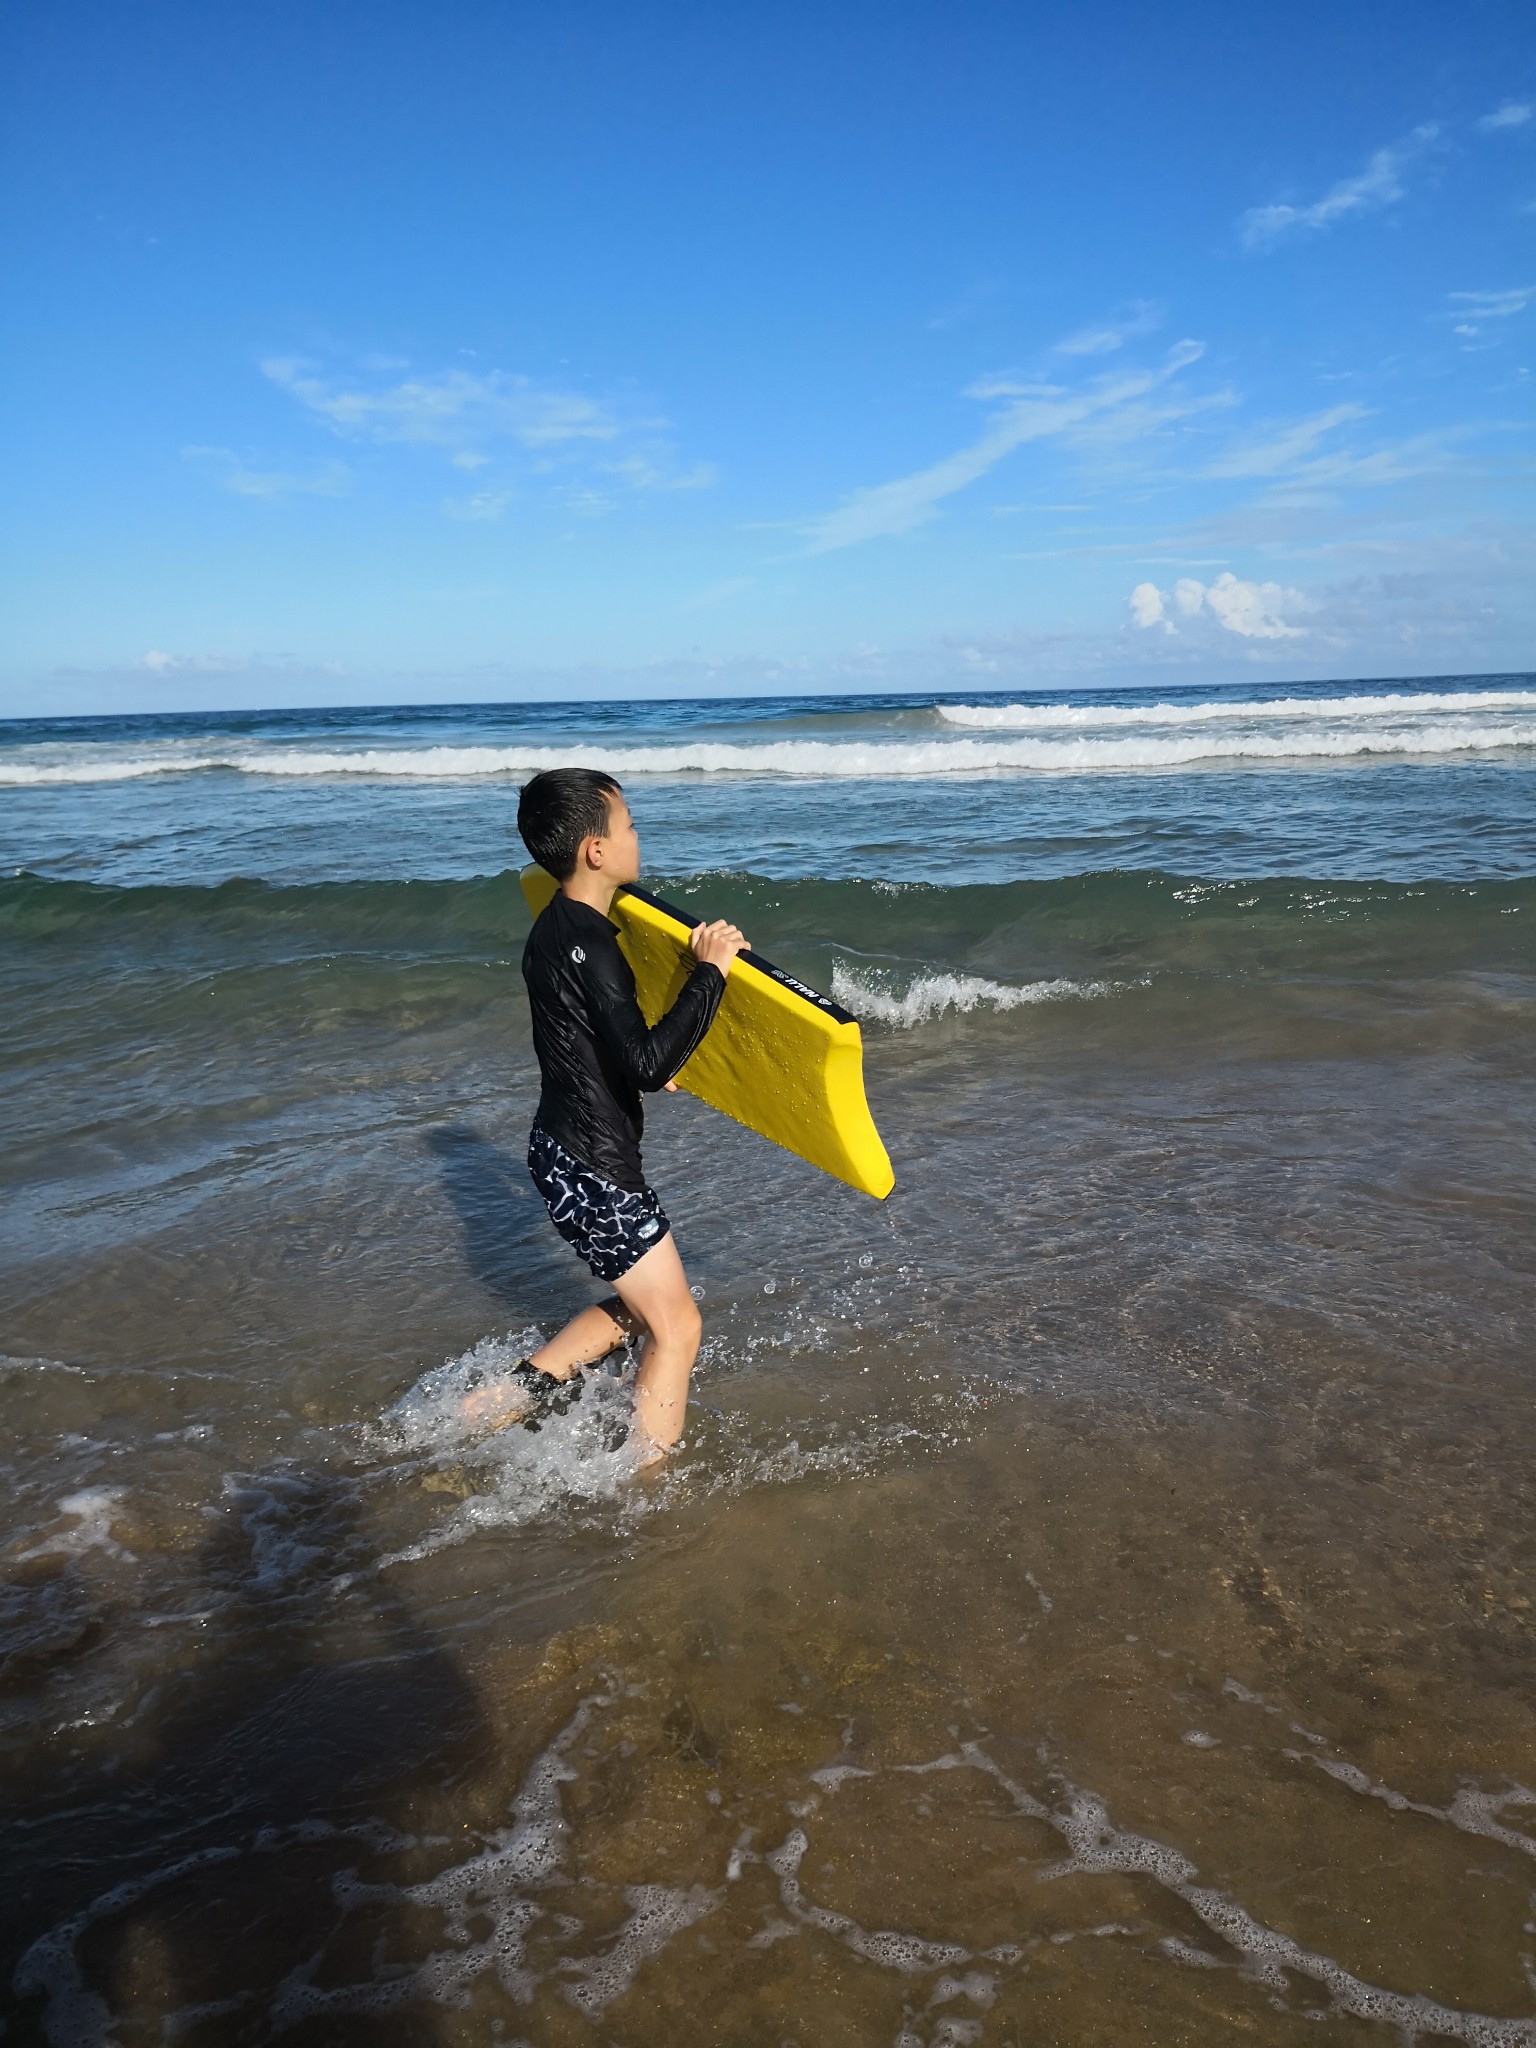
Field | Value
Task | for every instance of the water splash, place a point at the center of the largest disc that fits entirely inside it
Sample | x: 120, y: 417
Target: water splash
x: 931, y: 995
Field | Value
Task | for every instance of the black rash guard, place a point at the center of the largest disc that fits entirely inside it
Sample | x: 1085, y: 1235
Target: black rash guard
x: 596, y: 1051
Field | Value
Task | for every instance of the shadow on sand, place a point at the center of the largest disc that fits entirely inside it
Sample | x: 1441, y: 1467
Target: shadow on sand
x: 306, y: 1729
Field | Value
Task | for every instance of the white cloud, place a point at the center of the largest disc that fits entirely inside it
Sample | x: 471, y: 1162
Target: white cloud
x: 160, y: 663
x: 1381, y: 183
x: 1254, y: 611
x: 641, y: 474
x: 481, y: 505
x: 1491, y: 305
x: 587, y: 503
x: 1301, y: 470
x: 907, y: 501
x: 454, y: 409
x: 1139, y: 421
x: 474, y: 417
x: 999, y: 386
x: 1394, y: 463
x: 224, y: 467
x: 1103, y: 340
x: 1513, y: 114
x: 1281, y: 451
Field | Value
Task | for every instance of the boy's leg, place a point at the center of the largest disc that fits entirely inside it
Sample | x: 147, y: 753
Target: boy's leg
x: 585, y: 1339
x: 655, y: 1290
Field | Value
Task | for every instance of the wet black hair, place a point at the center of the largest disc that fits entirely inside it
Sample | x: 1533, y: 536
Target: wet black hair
x: 560, y: 808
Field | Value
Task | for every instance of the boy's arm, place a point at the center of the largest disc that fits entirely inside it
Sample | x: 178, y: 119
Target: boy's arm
x: 649, y: 1055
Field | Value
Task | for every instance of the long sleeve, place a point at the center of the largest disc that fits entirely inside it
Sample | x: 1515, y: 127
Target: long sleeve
x: 596, y: 1052
x: 648, y: 1055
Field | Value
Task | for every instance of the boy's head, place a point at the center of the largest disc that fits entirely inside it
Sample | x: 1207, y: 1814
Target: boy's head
x: 561, y: 809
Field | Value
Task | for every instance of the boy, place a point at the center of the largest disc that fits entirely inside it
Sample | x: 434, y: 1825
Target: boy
x: 596, y: 1054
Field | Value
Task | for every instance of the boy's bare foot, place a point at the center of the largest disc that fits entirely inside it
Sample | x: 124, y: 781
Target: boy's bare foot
x: 525, y: 1395
x: 650, y: 1456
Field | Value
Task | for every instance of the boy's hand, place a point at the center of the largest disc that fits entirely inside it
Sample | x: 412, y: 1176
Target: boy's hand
x: 717, y: 944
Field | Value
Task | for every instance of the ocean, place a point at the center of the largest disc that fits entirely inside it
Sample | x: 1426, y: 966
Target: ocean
x: 1093, y: 1599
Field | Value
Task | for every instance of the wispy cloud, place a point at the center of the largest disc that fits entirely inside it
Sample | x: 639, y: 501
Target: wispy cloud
x: 1513, y: 114
x: 1475, y: 306
x: 1276, y: 454
x: 1301, y: 470
x: 1106, y: 336
x: 1471, y: 310
x: 247, y: 480
x: 455, y: 409
x: 1034, y: 413
x: 643, y: 474
x: 477, y: 419
x: 1381, y: 183
x: 1314, y: 479
x: 159, y: 663
x: 1141, y: 420
x: 480, y: 505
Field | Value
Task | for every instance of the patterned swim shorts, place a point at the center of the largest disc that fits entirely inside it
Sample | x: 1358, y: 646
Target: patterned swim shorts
x: 609, y: 1226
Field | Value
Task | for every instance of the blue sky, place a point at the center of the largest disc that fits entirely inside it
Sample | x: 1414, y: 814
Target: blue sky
x: 403, y: 351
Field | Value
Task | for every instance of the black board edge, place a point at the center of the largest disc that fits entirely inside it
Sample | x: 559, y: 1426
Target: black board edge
x: 800, y: 988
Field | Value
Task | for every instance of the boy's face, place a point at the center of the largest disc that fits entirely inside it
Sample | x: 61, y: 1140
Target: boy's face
x: 620, y: 844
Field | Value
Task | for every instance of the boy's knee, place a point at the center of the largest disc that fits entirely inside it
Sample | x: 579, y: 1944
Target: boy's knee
x: 684, y: 1324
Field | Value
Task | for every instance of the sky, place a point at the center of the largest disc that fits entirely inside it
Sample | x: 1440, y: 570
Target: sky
x: 391, y: 351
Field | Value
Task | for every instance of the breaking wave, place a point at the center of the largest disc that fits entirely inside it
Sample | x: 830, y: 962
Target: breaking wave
x: 930, y: 995
x: 1397, y: 704
x: 1074, y: 752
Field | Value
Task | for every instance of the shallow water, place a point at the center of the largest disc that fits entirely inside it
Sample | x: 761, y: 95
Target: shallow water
x: 1093, y: 1602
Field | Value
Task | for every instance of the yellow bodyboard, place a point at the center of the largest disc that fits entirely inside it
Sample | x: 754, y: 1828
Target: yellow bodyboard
x: 779, y: 1058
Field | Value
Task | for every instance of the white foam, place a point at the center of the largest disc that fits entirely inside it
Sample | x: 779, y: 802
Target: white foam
x: 1102, y: 717
x: 99, y: 766
x: 658, y: 1914
x: 482, y: 1909
x: 18, y: 1368
x: 490, y: 1886
x: 931, y: 995
x: 1097, y: 1846
x: 976, y: 1985
x: 907, y: 1953
x: 1473, y: 1811
x: 93, y: 1512
x: 833, y: 1775
x: 1077, y: 747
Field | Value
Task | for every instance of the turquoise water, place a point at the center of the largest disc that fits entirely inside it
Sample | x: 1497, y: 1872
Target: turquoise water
x: 1094, y: 1594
